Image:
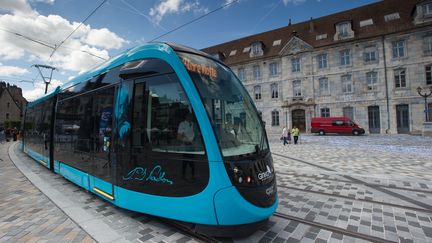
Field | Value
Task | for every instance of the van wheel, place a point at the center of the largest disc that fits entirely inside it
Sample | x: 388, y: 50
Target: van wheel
x: 321, y: 132
x: 356, y: 133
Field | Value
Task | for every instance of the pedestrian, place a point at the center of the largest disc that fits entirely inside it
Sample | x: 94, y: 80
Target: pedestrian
x: 296, y: 133
x: 2, y: 136
x: 285, y: 135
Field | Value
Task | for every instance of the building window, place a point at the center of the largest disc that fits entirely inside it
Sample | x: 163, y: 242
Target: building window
x: 256, y: 48
x: 430, y: 111
x: 347, y: 84
x: 274, y: 70
x: 274, y: 91
x: 256, y: 72
x: 7, y: 116
x: 322, y: 61
x: 372, y: 81
x: 257, y: 91
x: 8, y: 105
x: 398, y: 49
x: 427, y: 45
x: 324, y: 86
x: 427, y: 9
x: 342, y: 29
x: 297, y: 88
x: 348, y: 112
x: 325, y: 112
x: 370, y: 54
x: 241, y: 74
x: 400, y: 78
x: 345, y: 57
x: 295, y: 65
x: 275, y: 118
x: 428, y: 70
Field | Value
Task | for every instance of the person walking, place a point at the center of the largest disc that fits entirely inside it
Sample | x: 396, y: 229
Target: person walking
x: 285, y: 135
x: 296, y: 133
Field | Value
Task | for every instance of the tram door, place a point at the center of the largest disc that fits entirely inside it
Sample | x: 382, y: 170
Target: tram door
x: 103, y: 164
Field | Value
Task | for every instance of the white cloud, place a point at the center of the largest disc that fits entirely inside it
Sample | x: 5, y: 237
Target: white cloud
x: 51, y: 30
x: 12, y: 70
x: 18, y: 7
x: 103, y: 38
x: 44, y: 1
x: 39, y: 89
x: 175, y: 6
x: 286, y: 2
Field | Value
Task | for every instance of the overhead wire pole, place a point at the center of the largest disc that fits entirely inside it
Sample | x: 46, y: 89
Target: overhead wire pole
x: 39, y: 66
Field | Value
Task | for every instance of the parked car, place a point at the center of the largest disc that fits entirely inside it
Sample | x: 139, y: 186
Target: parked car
x: 323, y: 125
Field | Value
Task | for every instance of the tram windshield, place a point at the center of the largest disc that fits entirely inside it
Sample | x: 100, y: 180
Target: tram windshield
x: 234, y: 118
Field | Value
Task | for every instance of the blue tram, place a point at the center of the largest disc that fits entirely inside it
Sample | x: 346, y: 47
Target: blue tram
x: 161, y: 129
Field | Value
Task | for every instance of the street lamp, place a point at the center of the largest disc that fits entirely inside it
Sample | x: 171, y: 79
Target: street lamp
x: 425, y: 95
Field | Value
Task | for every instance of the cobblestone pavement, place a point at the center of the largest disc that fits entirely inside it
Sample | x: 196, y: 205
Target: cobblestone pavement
x: 27, y: 215
x: 334, y: 188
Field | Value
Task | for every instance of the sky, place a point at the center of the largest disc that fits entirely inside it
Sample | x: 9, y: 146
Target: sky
x: 30, y: 30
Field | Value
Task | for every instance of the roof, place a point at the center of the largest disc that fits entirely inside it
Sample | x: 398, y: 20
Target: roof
x: 324, y: 25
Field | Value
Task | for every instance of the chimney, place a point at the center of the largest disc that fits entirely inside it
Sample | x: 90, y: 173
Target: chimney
x: 289, y: 23
x: 311, y: 25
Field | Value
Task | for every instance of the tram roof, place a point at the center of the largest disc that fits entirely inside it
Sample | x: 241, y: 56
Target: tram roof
x: 128, y: 55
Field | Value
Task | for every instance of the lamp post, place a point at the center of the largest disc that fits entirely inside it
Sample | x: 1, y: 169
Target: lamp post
x: 425, y: 95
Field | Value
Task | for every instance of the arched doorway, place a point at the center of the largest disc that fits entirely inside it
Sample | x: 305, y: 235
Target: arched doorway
x: 299, y: 119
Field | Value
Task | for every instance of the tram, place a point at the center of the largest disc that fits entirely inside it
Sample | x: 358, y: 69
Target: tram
x: 161, y: 129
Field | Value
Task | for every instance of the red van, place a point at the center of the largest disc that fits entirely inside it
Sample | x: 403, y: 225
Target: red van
x: 323, y: 125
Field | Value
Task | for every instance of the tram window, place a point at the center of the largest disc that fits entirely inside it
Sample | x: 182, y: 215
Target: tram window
x: 37, y: 127
x: 73, y: 131
x: 163, y: 119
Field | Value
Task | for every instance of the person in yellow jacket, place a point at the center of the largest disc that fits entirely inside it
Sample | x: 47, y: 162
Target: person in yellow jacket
x: 295, y: 133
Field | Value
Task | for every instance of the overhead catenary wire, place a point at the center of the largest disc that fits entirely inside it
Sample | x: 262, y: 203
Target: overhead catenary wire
x: 49, y: 45
x: 88, y: 16
x: 196, y: 19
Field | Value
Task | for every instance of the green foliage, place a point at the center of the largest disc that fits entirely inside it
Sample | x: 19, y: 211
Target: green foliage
x: 12, y: 124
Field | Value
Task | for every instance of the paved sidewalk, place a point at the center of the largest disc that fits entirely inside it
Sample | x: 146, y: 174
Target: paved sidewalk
x: 26, y: 214
x: 377, y: 186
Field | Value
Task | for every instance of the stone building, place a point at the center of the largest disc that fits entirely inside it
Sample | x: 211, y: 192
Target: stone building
x: 365, y: 63
x: 11, y: 104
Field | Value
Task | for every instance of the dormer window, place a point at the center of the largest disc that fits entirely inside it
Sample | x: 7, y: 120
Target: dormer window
x: 423, y: 12
x: 391, y: 17
x: 344, y: 31
x: 218, y: 55
x: 256, y: 49
x: 427, y: 9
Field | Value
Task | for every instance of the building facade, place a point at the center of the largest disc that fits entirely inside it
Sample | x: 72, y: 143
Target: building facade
x: 365, y: 63
x: 11, y: 105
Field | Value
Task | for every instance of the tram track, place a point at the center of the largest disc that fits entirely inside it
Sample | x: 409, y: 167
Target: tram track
x: 332, y: 228
x: 426, y: 207
x: 357, y: 199
x: 356, y: 183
